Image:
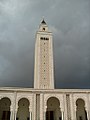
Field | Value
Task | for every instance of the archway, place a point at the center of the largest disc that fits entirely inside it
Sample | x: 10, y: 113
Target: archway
x: 53, y: 109
x: 23, y: 109
x: 81, y: 113
x: 5, y: 108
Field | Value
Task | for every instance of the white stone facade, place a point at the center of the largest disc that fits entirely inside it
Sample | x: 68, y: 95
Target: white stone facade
x: 43, y: 102
x: 15, y: 95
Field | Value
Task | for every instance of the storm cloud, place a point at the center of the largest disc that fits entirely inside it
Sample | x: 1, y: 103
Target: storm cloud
x: 69, y: 20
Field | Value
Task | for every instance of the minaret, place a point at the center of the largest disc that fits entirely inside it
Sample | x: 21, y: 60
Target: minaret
x: 43, y: 70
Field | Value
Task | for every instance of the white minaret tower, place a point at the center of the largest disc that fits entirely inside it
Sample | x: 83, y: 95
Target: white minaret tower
x: 43, y: 71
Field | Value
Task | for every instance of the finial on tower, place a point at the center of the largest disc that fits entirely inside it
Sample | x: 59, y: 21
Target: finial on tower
x: 43, y: 26
x: 43, y: 21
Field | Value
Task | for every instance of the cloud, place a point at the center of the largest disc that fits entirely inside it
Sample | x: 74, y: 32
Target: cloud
x: 69, y: 22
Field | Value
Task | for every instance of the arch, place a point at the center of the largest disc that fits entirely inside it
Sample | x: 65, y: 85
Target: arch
x: 23, y: 109
x: 55, y: 100
x: 5, y: 104
x: 80, y: 100
x: 23, y: 100
x: 23, y: 97
x: 6, y: 98
x: 53, y: 111
x: 81, y: 113
x: 49, y: 96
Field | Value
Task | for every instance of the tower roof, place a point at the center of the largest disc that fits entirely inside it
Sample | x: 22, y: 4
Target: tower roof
x: 43, y: 22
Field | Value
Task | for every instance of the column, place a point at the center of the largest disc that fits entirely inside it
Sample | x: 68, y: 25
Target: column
x: 65, y: 111
x: 16, y: 110
x: 73, y: 107
x: 30, y: 115
x: 61, y: 107
x: 34, y: 106
x: 87, y: 110
x: 87, y: 107
x: 88, y: 117
x: 11, y: 113
x: 15, y: 115
x: 87, y: 114
x: 41, y: 107
x: 45, y: 109
x: 44, y: 115
x: 62, y: 115
x: 15, y: 105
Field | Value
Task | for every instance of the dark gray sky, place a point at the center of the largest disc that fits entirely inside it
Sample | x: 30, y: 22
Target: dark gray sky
x: 69, y: 20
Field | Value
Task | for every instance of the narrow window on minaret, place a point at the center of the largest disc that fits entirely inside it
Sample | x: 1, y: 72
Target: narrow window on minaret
x: 47, y: 38
x: 41, y: 38
x: 43, y: 28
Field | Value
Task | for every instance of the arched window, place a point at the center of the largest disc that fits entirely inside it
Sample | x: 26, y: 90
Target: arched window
x: 23, y: 109
x: 81, y: 113
x: 5, y: 104
x: 53, y: 109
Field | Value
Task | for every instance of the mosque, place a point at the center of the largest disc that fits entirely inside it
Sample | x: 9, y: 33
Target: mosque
x: 44, y: 102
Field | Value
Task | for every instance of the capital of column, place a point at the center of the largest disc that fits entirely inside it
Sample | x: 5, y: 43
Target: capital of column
x: 61, y: 107
x: 16, y: 107
x: 11, y: 108
x: 45, y: 109
x: 62, y: 110
x: 30, y: 110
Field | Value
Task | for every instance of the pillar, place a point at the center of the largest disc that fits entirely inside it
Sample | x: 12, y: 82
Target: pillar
x: 87, y: 113
x: 15, y: 105
x: 62, y: 115
x: 87, y: 110
x: 15, y: 115
x: 41, y: 107
x: 44, y: 115
x: 30, y: 115
x: 11, y: 113
x: 16, y: 110
x: 34, y: 106
x: 61, y: 107
x: 73, y: 107
x: 87, y: 107
x: 30, y: 112
x: 75, y: 111
x: 45, y: 109
x: 65, y: 111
